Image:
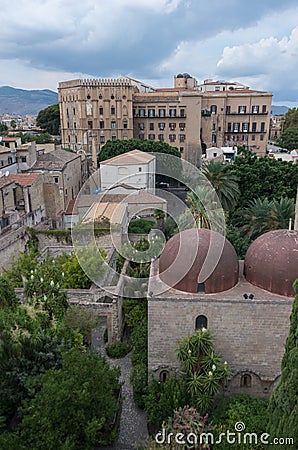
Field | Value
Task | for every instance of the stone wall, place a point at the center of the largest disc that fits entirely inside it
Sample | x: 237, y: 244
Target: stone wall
x: 11, y: 244
x: 249, y: 334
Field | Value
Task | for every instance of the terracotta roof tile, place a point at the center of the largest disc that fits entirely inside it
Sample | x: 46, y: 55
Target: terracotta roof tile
x: 23, y: 179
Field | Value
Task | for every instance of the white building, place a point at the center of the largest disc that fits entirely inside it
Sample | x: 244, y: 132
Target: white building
x: 135, y: 169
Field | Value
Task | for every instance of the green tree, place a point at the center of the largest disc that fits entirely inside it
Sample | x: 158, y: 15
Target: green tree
x: 3, y: 128
x: 48, y: 119
x: 283, y: 405
x: 264, y: 215
x: 263, y: 177
x: 289, y: 138
x: 7, y: 294
x: 203, y: 369
x: 224, y: 183
x: 72, y: 408
x: 13, y: 124
x: 291, y: 118
x: 115, y: 148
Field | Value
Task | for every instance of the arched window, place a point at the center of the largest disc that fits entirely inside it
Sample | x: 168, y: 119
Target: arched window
x: 201, y: 288
x: 163, y: 376
x: 245, y: 380
x: 201, y: 322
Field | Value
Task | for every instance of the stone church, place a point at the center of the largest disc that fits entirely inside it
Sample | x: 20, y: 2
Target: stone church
x: 198, y: 282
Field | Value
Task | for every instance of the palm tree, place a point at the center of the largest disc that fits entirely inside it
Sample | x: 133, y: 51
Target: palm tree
x: 224, y: 183
x: 204, y: 210
x: 265, y: 215
x: 159, y: 216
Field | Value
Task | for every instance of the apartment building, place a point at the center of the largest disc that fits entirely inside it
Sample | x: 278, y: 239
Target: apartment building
x: 189, y: 116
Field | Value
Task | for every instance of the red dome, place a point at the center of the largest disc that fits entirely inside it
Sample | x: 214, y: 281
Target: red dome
x: 271, y: 262
x: 199, y: 260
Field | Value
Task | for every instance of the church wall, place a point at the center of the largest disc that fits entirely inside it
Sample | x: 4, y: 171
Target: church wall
x: 249, y: 334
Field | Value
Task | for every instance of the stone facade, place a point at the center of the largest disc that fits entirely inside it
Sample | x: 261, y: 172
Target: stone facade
x: 249, y: 334
x: 187, y: 116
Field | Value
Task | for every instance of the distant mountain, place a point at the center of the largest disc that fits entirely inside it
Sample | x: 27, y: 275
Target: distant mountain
x: 22, y: 102
x: 279, y: 110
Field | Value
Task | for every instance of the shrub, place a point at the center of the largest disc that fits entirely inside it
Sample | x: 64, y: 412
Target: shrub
x: 141, y: 226
x: 162, y: 399
x: 139, y: 383
x: 118, y: 350
x: 252, y: 411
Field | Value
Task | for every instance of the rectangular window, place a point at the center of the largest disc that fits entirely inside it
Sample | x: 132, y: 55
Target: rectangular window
x: 236, y: 127
x: 161, y: 137
x: 141, y: 136
x: 235, y: 138
x: 56, y: 180
x: 113, y: 110
x: 75, y: 125
x: 213, y: 138
x: 102, y: 139
x: 141, y: 112
x: 101, y: 124
x: 244, y: 137
x: 182, y: 126
x: 182, y: 112
x: 151, y: 112
x: 125, y: 125
x: 114, y: 138
x: 255, y: 109
x: 264, y: 109
x: 173, y: 112
x: 172, y: 126
x: 23, y: 159
x: 228, y: 109
x: 172, y: 137
x: 262, y: 127
x: 229, y: 128
x: 90, y: 124
x: 141, y: 125
x: 261, y: 137
x: 181, y: 149
x: 253, y: 137
x: 213, y: 109
x: 181, y: 137
x: 241, y: 109
x: 74, y: 111
x: 101, y: 111
x: 213, y: 127
x: 151, y: 126
x: 245, y: 127
x: 161, y: 126
x: 113, y: 124
x: 151, y: 137
x: 162, y: 112
x: 254, y: 127
x: 9, y: 160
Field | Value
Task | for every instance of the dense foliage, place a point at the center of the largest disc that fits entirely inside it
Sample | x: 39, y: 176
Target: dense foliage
x: 291, y: 118
x: 289, y: 138
x: 48, y: 119
x: 115, y: 148
x: 283, y: 406
x: 263, y: 177
x: 141, y: 226
x: 252, y: 411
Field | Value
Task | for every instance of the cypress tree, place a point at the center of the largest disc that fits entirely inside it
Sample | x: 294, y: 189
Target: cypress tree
x: 283, y: 405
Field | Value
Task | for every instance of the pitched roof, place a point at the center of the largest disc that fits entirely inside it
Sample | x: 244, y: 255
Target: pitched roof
x: 129, y: 158
x: 23, y: 179
x: 55, y: 160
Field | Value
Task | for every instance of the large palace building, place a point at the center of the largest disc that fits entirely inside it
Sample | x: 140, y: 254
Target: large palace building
x: 189, y: 116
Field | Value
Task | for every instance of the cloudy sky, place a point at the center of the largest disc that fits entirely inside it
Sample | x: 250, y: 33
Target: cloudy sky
x: 255, y: 42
